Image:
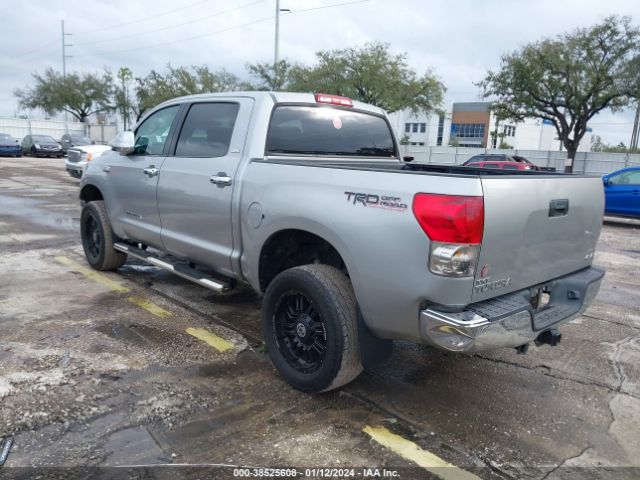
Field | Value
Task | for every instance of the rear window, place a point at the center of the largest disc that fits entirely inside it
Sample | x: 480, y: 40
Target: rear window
x: 309, y: 130
x: 476, y: 159
x: 42, y: 138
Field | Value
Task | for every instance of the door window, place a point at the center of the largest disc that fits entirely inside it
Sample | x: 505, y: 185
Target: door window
x: 626, y: 178
x: 152, y: 134
x: 207, y: 130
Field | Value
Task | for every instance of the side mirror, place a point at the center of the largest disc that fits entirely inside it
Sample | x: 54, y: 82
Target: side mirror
x: 123, y: 143
x: 408, y: 158
x: 605, y: 181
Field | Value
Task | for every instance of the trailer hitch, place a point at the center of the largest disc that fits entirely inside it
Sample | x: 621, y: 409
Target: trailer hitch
x: 550, y: 337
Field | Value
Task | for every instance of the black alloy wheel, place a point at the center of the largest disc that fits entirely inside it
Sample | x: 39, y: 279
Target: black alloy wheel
x: 300, y: 332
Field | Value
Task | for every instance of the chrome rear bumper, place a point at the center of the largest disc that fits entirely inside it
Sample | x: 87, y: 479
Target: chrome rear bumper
x: 510, y: 320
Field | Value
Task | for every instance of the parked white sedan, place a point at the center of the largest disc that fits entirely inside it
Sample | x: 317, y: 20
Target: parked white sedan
x: 78, y: 157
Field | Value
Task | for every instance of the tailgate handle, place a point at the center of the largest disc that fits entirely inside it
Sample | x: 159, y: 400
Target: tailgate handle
x: 559, y: 208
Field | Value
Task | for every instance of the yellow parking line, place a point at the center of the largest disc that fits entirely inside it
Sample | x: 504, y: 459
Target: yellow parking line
x: 92, y: 274
x: 411, y: 451
x: 150, y: 307
x: 212, y: 339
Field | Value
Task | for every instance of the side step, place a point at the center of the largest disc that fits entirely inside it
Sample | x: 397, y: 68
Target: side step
x: 183, y: 271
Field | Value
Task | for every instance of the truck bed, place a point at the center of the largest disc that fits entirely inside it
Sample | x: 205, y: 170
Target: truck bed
x: 414, y: 168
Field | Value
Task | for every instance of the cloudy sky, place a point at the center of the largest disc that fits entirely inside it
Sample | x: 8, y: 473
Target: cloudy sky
x: 458, y: 39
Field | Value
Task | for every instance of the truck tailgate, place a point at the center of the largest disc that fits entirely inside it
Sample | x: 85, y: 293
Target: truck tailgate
x: 536, y: 228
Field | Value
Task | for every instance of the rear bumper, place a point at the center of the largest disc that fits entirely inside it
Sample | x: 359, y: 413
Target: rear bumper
x: 510, y: 320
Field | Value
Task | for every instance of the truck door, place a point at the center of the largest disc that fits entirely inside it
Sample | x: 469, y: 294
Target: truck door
x: 134, y: 179
x: 198, y: 180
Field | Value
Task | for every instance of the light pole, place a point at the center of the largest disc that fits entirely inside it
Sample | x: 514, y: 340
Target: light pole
x: 277, y: 46
x: 276, y: 50
x: 64, y: 65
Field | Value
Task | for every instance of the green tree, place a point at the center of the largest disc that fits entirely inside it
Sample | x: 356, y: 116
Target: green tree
x: 80, y: 94
x: 371, y: 74
x: 569, y: 79
x: 270, y: 77
x: 157, y: 87
x: 122, y: 94
x: 598, y: 145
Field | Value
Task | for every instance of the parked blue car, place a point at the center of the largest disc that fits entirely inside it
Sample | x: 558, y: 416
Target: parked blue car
x: 622, y: 192
x: 9, y: 145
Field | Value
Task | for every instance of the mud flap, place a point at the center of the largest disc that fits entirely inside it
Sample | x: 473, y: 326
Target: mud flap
x: 373, y: 350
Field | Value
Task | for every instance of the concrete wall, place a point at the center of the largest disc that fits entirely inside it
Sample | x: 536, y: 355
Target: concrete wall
x: 595, y: 163
x: 20, y: 127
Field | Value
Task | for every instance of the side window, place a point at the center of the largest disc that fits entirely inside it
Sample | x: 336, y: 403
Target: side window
x: 152, y: 134
x: 207, y: 130
x: 626, y: 178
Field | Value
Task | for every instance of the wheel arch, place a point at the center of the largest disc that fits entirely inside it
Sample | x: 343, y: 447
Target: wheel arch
x: 291, y: 247
x: 90, y: 193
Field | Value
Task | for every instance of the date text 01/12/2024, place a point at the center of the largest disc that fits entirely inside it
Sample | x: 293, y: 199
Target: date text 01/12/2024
x: 315, y: 473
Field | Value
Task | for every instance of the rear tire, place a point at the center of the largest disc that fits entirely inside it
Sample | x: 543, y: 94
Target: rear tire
x: 309, y: 324
x: 97, y: 239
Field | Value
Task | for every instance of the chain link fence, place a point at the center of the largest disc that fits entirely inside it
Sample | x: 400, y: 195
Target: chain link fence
x: 594, y: 163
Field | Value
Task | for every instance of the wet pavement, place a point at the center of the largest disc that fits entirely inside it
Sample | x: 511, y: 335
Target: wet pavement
x: 103, y: 370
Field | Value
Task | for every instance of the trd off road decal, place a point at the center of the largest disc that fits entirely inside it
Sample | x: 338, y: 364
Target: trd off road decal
x: 376, y: 201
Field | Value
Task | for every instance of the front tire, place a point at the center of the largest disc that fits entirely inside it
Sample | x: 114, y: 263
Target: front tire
x: 309, y: 324
x: 97, y: 239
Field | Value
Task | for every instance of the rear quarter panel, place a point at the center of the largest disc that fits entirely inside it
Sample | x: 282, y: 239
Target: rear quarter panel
x: 385, y: 250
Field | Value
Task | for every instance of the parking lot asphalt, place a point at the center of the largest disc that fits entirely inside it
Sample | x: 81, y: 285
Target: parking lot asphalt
x: 138, y: 367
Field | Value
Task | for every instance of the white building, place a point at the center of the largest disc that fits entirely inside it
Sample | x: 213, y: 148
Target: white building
x: 533, y: 134
x: 471, y: 124
x: 421, y: 129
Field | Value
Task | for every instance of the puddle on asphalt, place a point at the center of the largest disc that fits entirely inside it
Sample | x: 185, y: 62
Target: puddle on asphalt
x: 33, y: 211
x: 247, y: 362
x: 140, y: 334
x: 133, y: 445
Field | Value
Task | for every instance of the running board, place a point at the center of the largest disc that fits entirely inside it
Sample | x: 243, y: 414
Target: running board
x: 183, y: 271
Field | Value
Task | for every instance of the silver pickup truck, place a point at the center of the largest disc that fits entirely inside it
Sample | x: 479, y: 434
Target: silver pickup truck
x: 305, y: 198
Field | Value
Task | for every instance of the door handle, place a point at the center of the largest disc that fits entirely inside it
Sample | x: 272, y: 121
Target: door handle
x: 151, y: 171
x: 558, y: 208
x: 221, y: 180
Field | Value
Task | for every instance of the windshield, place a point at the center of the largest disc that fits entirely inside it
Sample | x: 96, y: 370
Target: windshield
x: 80, y: 140
x: 43, y: 138
x: 311, y: 130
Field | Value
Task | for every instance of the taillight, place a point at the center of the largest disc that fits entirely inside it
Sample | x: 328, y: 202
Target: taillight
x: 450, y: 218
x: 333, y: 99
x: 454, y: 224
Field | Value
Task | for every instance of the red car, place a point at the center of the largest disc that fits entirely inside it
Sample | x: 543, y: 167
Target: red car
x: 503, y: 165
x: 504, y: 162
